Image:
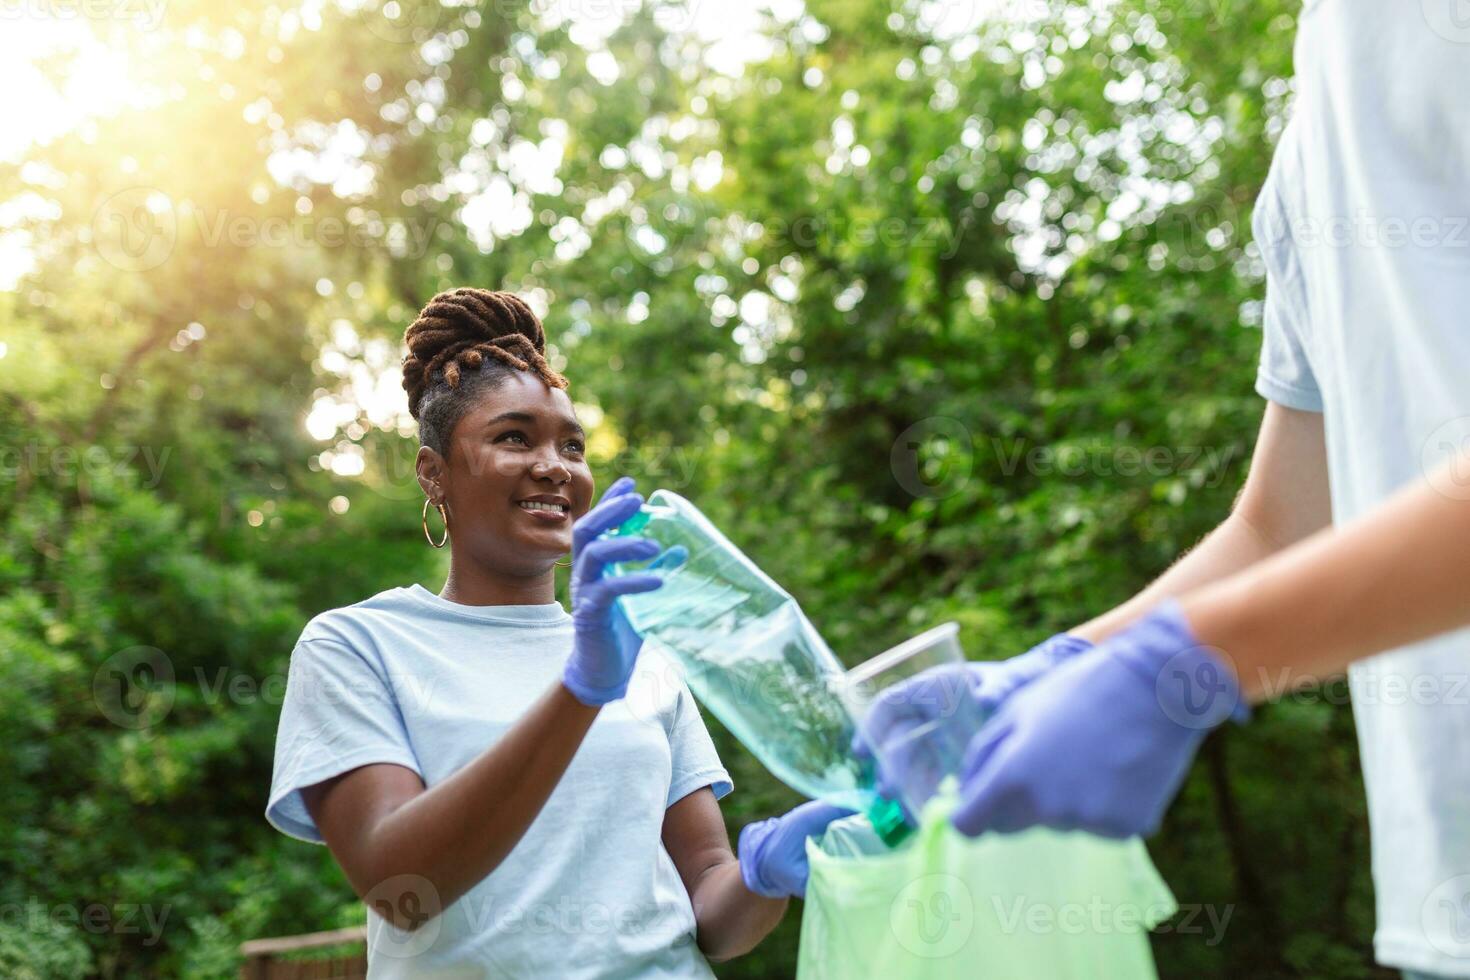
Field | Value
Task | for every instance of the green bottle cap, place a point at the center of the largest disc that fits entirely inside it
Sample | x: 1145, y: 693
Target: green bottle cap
x: 889, y: 823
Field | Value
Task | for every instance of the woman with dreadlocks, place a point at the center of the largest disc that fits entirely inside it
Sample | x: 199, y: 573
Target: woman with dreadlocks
x: 507, y: 794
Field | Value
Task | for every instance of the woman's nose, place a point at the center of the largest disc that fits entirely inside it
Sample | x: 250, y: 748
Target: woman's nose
x: 550, y: 469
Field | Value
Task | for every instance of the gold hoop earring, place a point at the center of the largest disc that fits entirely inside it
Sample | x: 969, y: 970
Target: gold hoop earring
x: 567, y: 564
x: 444, y: 515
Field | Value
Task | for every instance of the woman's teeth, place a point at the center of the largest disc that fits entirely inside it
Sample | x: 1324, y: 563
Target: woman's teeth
x: 538, y: 505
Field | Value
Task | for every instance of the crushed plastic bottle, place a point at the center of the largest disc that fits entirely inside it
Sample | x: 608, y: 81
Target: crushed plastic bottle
x: 752, y: 658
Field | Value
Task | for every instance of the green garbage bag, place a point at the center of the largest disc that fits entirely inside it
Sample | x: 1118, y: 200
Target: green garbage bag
x: 1038, y: 904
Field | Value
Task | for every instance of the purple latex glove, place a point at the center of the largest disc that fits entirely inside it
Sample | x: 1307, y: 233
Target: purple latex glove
x: 604, y: 646
x: 934, y: 694
x: 997, y: 681
x: 1102, y: 742
x: 773, y: 852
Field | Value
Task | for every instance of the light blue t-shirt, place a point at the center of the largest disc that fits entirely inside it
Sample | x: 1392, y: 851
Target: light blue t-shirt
x: 413, y: 679
x: 1364, y: 225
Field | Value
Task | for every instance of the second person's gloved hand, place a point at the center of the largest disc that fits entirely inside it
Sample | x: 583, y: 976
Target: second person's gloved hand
x: 995, y: 682
x: 1102, y: 742
x: 773, y: 852
x: 605, y: 646
x: 935, y: 694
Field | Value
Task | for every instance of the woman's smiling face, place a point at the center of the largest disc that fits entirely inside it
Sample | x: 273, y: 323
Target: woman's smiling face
x: 517, y: 475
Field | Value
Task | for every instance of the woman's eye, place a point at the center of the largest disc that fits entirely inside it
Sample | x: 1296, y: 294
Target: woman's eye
x: 576, y: 447
x: 518, y: 436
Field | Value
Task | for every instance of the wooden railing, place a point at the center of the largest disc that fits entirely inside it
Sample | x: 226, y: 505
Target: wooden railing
x: 281, y: 959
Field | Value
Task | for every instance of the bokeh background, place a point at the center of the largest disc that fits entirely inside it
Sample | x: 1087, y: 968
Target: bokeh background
x: 942, y: 310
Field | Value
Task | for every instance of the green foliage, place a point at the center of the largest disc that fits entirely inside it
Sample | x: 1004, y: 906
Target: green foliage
x: 42, y: 950
x: 950, y: 328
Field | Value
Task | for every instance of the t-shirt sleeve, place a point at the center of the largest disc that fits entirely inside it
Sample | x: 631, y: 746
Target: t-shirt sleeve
x: 339, y: 713
x: 696, y: 764
x: 1285, y: 373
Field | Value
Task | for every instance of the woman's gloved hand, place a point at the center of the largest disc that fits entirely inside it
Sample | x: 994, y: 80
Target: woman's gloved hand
x: 605, y: 646
x: 936, y: 693
x: 1100, y: 743
x: 773, y: 852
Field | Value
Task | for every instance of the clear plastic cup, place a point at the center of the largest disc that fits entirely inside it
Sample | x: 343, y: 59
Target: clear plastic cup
x: 918, y: 732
